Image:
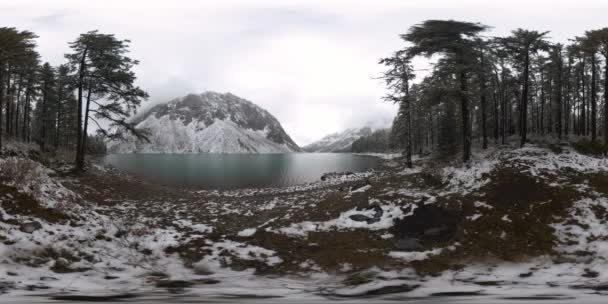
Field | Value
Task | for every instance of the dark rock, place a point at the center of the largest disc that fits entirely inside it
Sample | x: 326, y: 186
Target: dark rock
x: 428, y: 222
x: 6, y: 286
x: 10, y: 273
x: 47, y: 278
x: 30, y: 227
x: 526, y: 275
x: 434, y: 232
x: 84, y: 298
x: 360, y: 218
x: 120, y: 233
x: 457, y: 294
x: 36, y: 287
x: 378, y: 212
x: 373, y: 220
x: 590, y: 273
x: 381, y: 291
x: 598, y: 287
x: 359, y: 185
x: 364, y: 218
x: 332, y: 175
x: 408, y: 244
x: 207, y: 281
x: 173, y: 284
x: 109, y: 277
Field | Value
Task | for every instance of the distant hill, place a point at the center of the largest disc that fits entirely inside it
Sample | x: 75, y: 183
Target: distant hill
x: 209, y: 123
x: 338, y: 142
x: 378, y: 142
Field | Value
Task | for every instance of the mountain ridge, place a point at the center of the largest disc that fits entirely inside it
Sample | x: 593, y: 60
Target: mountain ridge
x: 339, y: 141
x: 209, y: 122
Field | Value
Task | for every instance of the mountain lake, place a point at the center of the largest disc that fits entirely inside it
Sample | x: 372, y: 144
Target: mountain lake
x: 237, y: 171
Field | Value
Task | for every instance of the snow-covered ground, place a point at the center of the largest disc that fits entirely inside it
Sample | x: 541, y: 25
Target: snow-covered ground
x: 342, y: 239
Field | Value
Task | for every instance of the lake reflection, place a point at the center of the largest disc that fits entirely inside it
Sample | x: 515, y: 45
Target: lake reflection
x: 232, y: 171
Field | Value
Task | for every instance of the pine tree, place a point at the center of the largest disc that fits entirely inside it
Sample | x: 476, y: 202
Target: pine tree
x: 104, y: 72
x: 455, y: 40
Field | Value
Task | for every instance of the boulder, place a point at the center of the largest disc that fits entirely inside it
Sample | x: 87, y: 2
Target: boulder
x: 359, y: 185
x: 332, y: 175
x: 30, y: 227
x: 429, y: 222
x: 360, y: 218
x: 408, y: 244
x: 378, y: 212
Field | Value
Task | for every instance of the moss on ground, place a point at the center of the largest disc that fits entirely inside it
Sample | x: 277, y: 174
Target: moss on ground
x: 588, y: 147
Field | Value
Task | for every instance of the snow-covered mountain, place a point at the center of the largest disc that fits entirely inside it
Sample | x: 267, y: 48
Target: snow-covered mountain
x: 209, y: 123
x: 338, y: 142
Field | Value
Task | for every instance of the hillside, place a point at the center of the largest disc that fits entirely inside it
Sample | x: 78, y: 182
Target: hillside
x: 338, y: 142
x: 209, y: 123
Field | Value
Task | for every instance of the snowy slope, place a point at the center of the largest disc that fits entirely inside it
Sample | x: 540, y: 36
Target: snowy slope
x: 209, y: 123
x: 338, y: 142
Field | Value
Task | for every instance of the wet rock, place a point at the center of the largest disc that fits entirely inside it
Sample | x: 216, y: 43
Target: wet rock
x: 381, y: 291
x: 360, y: 218
x: 6, y: 286
x: 526, y: 275
x: 101, y: 298
x: 378, y: 212
x: 35, y: 287
x: 359, y: 185
x: 30, y: 227
x: 408, y: 244
x: 47, y: 278
x: 590, y: 273
x: 120, y: 234
x: 207, y: 281
x: 598, y: 287
x: 434, y: 232
x: 332, y: 175
x: 174, y: 284
x: 457, y: 294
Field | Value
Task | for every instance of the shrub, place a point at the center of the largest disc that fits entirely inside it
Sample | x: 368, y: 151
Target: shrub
x: 590, y: 148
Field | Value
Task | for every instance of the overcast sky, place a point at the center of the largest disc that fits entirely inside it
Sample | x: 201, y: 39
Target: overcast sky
x: 312, y: 64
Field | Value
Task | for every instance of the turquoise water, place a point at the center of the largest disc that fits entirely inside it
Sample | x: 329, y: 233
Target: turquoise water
x: 234, y: 171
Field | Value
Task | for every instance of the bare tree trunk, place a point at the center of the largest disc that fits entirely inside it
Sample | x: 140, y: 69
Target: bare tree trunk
x: 542, y: 103
x: 16, y: 125
x: 593, y: 101
x: 606, y: 99
x: 81, y: 71
x: 1, y: 98
x: 464, y: 103
x: 26, y: 105
x: 43, y: 120
x: 568, y: 100
x: 583, y: 119
x: 558, y: 106
x: 524, y: 103
x: 86, y: 125
x: 59, y: 97
x: 483, y: 101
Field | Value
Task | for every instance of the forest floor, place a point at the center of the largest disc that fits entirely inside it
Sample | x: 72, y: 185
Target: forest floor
x: 513, y: 224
